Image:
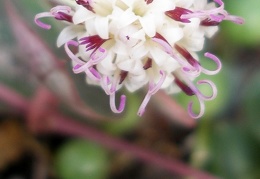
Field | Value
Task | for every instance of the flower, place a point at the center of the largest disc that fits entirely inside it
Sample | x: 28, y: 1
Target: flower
x: 137, y: 43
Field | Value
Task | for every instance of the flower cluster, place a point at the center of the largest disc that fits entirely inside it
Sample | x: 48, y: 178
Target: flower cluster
x: 136, y: 43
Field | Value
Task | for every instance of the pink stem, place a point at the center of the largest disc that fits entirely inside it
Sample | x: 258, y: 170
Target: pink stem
x: 12, y: 98
x: 63, y: 125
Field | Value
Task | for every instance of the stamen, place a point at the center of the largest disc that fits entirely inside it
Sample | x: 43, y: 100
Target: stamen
x: 185, y: 88
x: 187, y: 56
x: 148, y: 1
x: 63, y: 16
x: 176, y: 14
x: 92, y: 42
x: 209, y: 22
x: 86, y: 4
x: 148, y: 64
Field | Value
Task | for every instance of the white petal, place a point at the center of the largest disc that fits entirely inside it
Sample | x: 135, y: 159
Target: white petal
x: 138, y: 52
x: 120, y: 48
x: 148, y: 25
x: 168, y: 81
x: 210, y: 31
x: 106, y: 66
x: 82, y: 15
x: 172, y: 34
x: 126, y: 18
x: 126, y: 65
x: 158, y: 55
x: 101, y: 24
x: 69, y: 33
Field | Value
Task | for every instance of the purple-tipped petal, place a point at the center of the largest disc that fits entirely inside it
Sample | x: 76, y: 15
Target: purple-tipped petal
x: 219, y: 2
x: 81, y: 68
x: 216, y: 60
x: 142, y: 107
x: 98, y: 55
x: 105, y: 81
x: 121, y: 104
x: 40, y: 23
x: 72, y: 56
x: 158, y: 38
x: 235, y: 19
x: 153, y: 88
x: 213, y: 87
x: 157, y: 86
x: 201, y: 112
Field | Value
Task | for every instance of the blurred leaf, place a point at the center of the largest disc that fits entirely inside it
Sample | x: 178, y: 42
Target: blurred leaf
x: 79, y: 159
x: 247, y: 34
x: 252, y: 105
x: 226, y: 150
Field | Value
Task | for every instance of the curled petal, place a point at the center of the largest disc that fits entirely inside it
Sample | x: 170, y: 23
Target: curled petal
x: 93, y: 74
x: 40, y: 23
x: 80, y: 65
x: 81, y: 68
x: 192, y: 72
x: 167, y: 47
x: 65, y: 9
x: 213, y: 87
x: 201, y: 112
x: 219, y: 2
x: 235, y: 19
x: 164, y: 44
x: 121, y: 104
x: 69, y: 52
x: 142, y: 107
x: 105, y: 84
x: 154, y: 88
x: 216, y: 60
x: 98, y: 55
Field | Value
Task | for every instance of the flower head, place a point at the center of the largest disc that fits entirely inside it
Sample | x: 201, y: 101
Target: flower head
x: 139, y: 43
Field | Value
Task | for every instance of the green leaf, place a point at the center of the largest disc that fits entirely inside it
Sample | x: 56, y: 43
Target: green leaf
x: 79, y: 159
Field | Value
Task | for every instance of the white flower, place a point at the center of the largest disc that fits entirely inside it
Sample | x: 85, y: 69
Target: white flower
x: 134, y: 43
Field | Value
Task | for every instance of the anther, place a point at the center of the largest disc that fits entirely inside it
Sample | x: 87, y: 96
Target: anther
x: 176, y: 14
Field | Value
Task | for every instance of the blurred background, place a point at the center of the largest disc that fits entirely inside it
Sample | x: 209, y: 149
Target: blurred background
x: 53, y: 125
